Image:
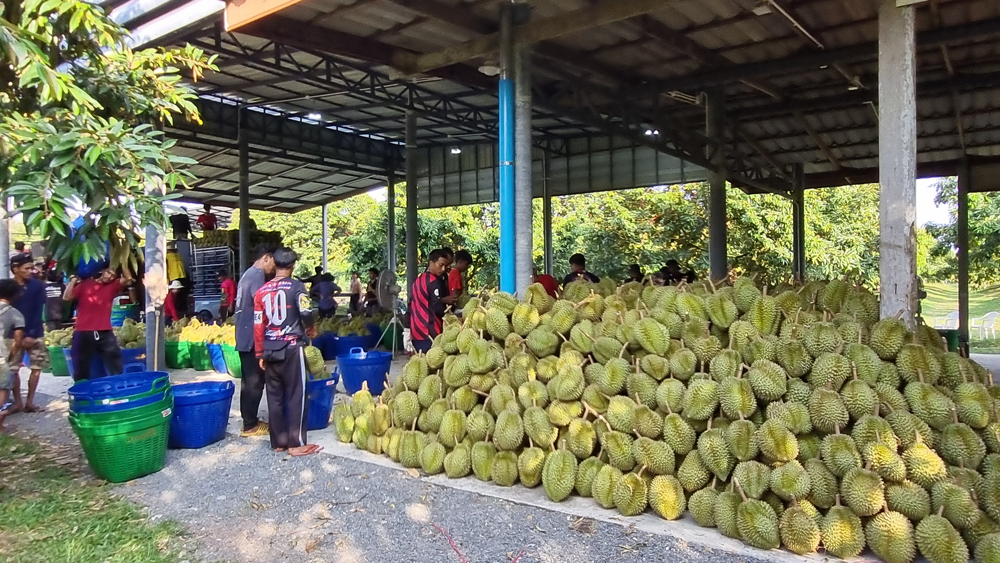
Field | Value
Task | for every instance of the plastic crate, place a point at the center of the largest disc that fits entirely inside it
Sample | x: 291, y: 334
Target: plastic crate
x: 58, y: 358
x: 178, y: 355
x: 233, y: 363
x: 218, y: 358
x: 319, y: 397
x: 201, y: 413
x: 122, y: 451
x: 97, y: 369
x: 359, y: 366
x: 115, y: 392
x: 200, y: 358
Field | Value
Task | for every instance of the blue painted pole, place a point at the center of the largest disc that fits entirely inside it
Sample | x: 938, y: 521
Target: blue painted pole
x: 508, y: 226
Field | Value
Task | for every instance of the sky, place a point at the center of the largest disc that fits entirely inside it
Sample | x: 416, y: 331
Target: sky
x: 927, y: 210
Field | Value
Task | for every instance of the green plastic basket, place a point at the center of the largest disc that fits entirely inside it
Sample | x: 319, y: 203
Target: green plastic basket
x: 233, y: 364
x: 178, y: 355
x: 113, y: 417
x: 123, y: 451
x: 200, y: 358
x: 58, y: 362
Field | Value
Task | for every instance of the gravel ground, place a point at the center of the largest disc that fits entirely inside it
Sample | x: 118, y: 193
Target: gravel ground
x: 241, y: 502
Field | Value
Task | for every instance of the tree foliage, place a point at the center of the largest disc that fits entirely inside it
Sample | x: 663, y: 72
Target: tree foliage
x: 78, y: 132
x: 614, y: 230
x: 984, y: 237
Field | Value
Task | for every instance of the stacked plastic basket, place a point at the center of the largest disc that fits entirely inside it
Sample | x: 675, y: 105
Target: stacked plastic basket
x: 123, y: 423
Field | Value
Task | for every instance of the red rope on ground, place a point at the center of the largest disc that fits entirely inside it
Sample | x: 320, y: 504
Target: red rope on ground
x: 518, y: 557
x: 452, y: 542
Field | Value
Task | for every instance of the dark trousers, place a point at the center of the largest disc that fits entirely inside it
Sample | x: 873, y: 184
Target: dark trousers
x: 327, y: 313
x: 422, y: 346
x: 87, y: 344
x: 355, y: 302
x: 251, y: 389
x: 286, y: 398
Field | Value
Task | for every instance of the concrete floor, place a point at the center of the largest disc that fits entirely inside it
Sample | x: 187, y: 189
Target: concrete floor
x: 52, y: 427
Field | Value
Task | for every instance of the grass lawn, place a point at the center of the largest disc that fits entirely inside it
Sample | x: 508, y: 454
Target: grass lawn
x: 49, y: 514
x: 942, y: 299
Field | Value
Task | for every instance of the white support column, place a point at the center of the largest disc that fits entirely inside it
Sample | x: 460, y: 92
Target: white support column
x: 715, y: 126
x: 155, y: 282
x: 523, y: 239
x: 799, y: 224
x: 325, y: 244
x: 897, y: 160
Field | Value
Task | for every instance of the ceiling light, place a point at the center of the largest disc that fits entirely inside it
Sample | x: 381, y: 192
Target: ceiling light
x: 456, y: 150
x: 652, y: 132
x: 315, y: 116
x: 489, y: 68
x: 762, y: 9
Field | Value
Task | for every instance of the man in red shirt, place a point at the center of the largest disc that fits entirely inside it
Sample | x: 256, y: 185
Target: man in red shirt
x: 428, y: 302
x: 93, y: 333
x: 207, y: 220
x: 228, y: 302
x: 456, y: 277
x: 546, y: 281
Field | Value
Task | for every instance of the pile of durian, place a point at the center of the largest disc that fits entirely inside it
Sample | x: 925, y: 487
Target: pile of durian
x: 795, y: 419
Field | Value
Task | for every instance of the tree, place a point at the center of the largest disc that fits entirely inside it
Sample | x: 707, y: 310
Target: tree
x: 614, y: 229
x: 79, y: 133
x: 984, y: 236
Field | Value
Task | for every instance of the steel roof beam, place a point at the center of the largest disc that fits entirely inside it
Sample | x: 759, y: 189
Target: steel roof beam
x: 812, y: 60
x: 601, y: 13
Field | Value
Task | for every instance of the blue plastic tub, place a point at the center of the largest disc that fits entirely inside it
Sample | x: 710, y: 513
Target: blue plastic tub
x: 218, y: 358
x: 319, y: 394
x: 118, y: 392
x: 201, y: 413
x: 327, y: 344
x: 133, y: 356
x: 97, y: 368
x: 345, y: 344
x: 359, y: 366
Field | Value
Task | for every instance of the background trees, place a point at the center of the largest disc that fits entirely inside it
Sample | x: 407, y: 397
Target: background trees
x: 614, y: 229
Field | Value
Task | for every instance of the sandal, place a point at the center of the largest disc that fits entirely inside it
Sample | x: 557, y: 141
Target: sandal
x: 33, y: 409
x: 309, y: 450
x: 261, y: 429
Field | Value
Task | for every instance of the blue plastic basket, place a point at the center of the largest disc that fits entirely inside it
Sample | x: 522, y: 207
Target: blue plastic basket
x: 319, y: 394
x: 218, y: 358
x: 201, y: 413
x: 359, y: 366
x: 327, y: 345
x: 118, y: 392
x: 345, y: 344
x: 133, y: 356
x: 97, y: 369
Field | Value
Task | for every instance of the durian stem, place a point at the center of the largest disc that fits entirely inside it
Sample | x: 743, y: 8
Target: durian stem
x: 740, y: 489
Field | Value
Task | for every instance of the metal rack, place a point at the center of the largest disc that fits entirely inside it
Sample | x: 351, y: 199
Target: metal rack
x: 205, y: 270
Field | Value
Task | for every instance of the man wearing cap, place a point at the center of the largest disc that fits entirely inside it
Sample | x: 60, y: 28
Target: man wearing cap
x: 30, y: 301
x: 282, y: 315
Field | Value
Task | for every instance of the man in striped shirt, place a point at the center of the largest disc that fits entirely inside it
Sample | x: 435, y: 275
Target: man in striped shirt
x: 429, y: 299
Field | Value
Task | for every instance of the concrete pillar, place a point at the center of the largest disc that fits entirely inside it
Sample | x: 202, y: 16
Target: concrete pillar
x: 5, y: 244
x: 897, y: 160
x: 244, y: 234
x: 715, y: 125
x: 155, y: 283
x: 799, y: 224
x: 411, y: 199
x: 523, y: 243
x: 964, y: 187
x: 508, y: 225
x: 546, y: 214
x: 390, y: 202
x: 325, y: 244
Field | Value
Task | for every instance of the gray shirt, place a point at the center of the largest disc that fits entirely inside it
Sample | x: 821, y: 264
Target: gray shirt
x: 10, y: 320
x: 253, y: 279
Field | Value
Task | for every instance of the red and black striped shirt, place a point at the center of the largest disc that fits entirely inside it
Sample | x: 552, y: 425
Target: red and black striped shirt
x: 426, y: 308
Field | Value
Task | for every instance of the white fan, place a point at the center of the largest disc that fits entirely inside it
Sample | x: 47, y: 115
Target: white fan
x: 387, y: 291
